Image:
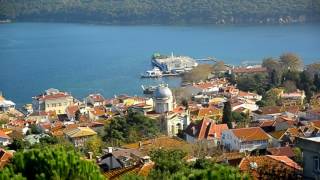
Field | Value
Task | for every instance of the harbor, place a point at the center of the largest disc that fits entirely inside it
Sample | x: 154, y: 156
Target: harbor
x: 165, y: 66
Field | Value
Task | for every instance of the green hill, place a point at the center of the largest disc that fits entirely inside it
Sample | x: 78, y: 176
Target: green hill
x: 162, y: 11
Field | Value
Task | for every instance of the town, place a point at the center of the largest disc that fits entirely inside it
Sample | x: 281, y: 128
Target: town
x: 261, y: 121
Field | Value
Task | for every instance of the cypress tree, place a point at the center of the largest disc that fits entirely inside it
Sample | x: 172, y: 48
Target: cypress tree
x: 227, y: 114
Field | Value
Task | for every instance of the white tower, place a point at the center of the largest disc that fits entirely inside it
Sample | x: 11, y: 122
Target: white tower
x: 163, y: 99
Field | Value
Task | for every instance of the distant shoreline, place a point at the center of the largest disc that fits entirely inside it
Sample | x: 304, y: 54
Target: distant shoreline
x: 156, y: 24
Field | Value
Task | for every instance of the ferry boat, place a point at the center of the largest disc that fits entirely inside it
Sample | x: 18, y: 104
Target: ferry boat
x: 148, y: 90
x: 154, y: 73
x: 173, y: 64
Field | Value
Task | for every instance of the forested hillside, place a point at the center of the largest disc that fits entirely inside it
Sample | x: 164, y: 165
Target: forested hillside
x: 162, y: 11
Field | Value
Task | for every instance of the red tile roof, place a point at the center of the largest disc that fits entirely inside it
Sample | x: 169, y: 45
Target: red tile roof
x: 316, y: 124
x: 72, y: 109
x: 250, y: 134
x: 98, y: 111
x: 55, y: 96
x: 5, y: 156
x: 206, y: 129
x: 281, y: 151
x: 271, y: 110
x: 260, y: 167
x: 97, y: 97
x: 4, y: 135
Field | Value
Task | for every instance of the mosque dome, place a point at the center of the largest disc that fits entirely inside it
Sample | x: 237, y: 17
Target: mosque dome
x: 162, y: 92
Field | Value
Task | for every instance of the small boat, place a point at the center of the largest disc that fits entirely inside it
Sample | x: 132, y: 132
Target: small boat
x: 154, y: 73
x: 148, y: 90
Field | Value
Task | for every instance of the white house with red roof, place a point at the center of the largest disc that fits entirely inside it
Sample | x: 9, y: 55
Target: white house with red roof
x: 4, y: 138
x: 205, y: 130
x: 95, y: 99
x: 245, y: 139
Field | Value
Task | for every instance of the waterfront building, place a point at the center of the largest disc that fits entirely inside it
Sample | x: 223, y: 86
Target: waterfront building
x: 6, y: 105
x: 95, y: 100
x: 53, y: 100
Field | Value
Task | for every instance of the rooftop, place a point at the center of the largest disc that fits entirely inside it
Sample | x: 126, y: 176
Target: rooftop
x: 250, y: 134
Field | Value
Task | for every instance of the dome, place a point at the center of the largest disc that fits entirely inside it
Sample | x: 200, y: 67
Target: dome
x: 162, y: 92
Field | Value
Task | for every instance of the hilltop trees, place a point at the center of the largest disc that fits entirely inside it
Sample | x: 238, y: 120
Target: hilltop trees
x: 290, y: 61
x: 131, y: 128
x: 161, y: 11
x: 199, y: 73
x: 50, y: 163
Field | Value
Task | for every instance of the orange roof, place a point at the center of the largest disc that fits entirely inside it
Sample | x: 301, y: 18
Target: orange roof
x: 4, y: 135
x: 266, y: 123
x: 250, y: 134
x: 286, y: 160
x: 98, y: 111
x: 208, y: 111
x: 206, y: 129
x: 5, y: 156
x: 316, y: 124
x: 281, y: 151
x: 72, y: 109
x: 243, y: 93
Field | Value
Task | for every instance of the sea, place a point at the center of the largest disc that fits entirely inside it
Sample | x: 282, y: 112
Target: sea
x: 109, y: 59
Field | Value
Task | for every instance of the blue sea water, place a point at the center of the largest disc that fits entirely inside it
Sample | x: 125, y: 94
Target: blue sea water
x: 86, y: 58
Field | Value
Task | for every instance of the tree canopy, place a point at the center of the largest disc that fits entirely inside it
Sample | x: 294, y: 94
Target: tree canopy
x: 130, y: 128
x: 50, y: 163
x: 162, y: 11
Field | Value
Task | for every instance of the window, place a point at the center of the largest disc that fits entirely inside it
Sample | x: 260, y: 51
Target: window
x: 316, y: 163
x: 59, y: 104
x: 53, y: 104
x: 48, y: 105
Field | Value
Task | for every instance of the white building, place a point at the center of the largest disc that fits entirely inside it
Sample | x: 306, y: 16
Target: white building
x: 245, y: 139
x: 6, y: 105
x: 164, y: 104
x: 95, y: 99
x: 163, y: 99
x: 53, y: 101
x: 4, y: 138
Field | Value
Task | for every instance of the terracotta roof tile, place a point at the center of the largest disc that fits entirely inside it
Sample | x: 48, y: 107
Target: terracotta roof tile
x: 259, y: 166
x: 250, y: 134
x: 281, y: 151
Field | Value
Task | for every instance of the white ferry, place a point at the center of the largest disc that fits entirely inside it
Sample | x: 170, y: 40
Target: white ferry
x: 154, y: 73
x: 173, y: 64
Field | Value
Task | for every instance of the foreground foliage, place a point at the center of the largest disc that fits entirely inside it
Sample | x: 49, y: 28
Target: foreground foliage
x: 50, y: 163
x: 170, y: 164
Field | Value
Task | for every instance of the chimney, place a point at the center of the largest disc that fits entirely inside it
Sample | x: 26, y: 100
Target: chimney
x: 90, y: 155
x: 109, y: 149
x: 194, y: 130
